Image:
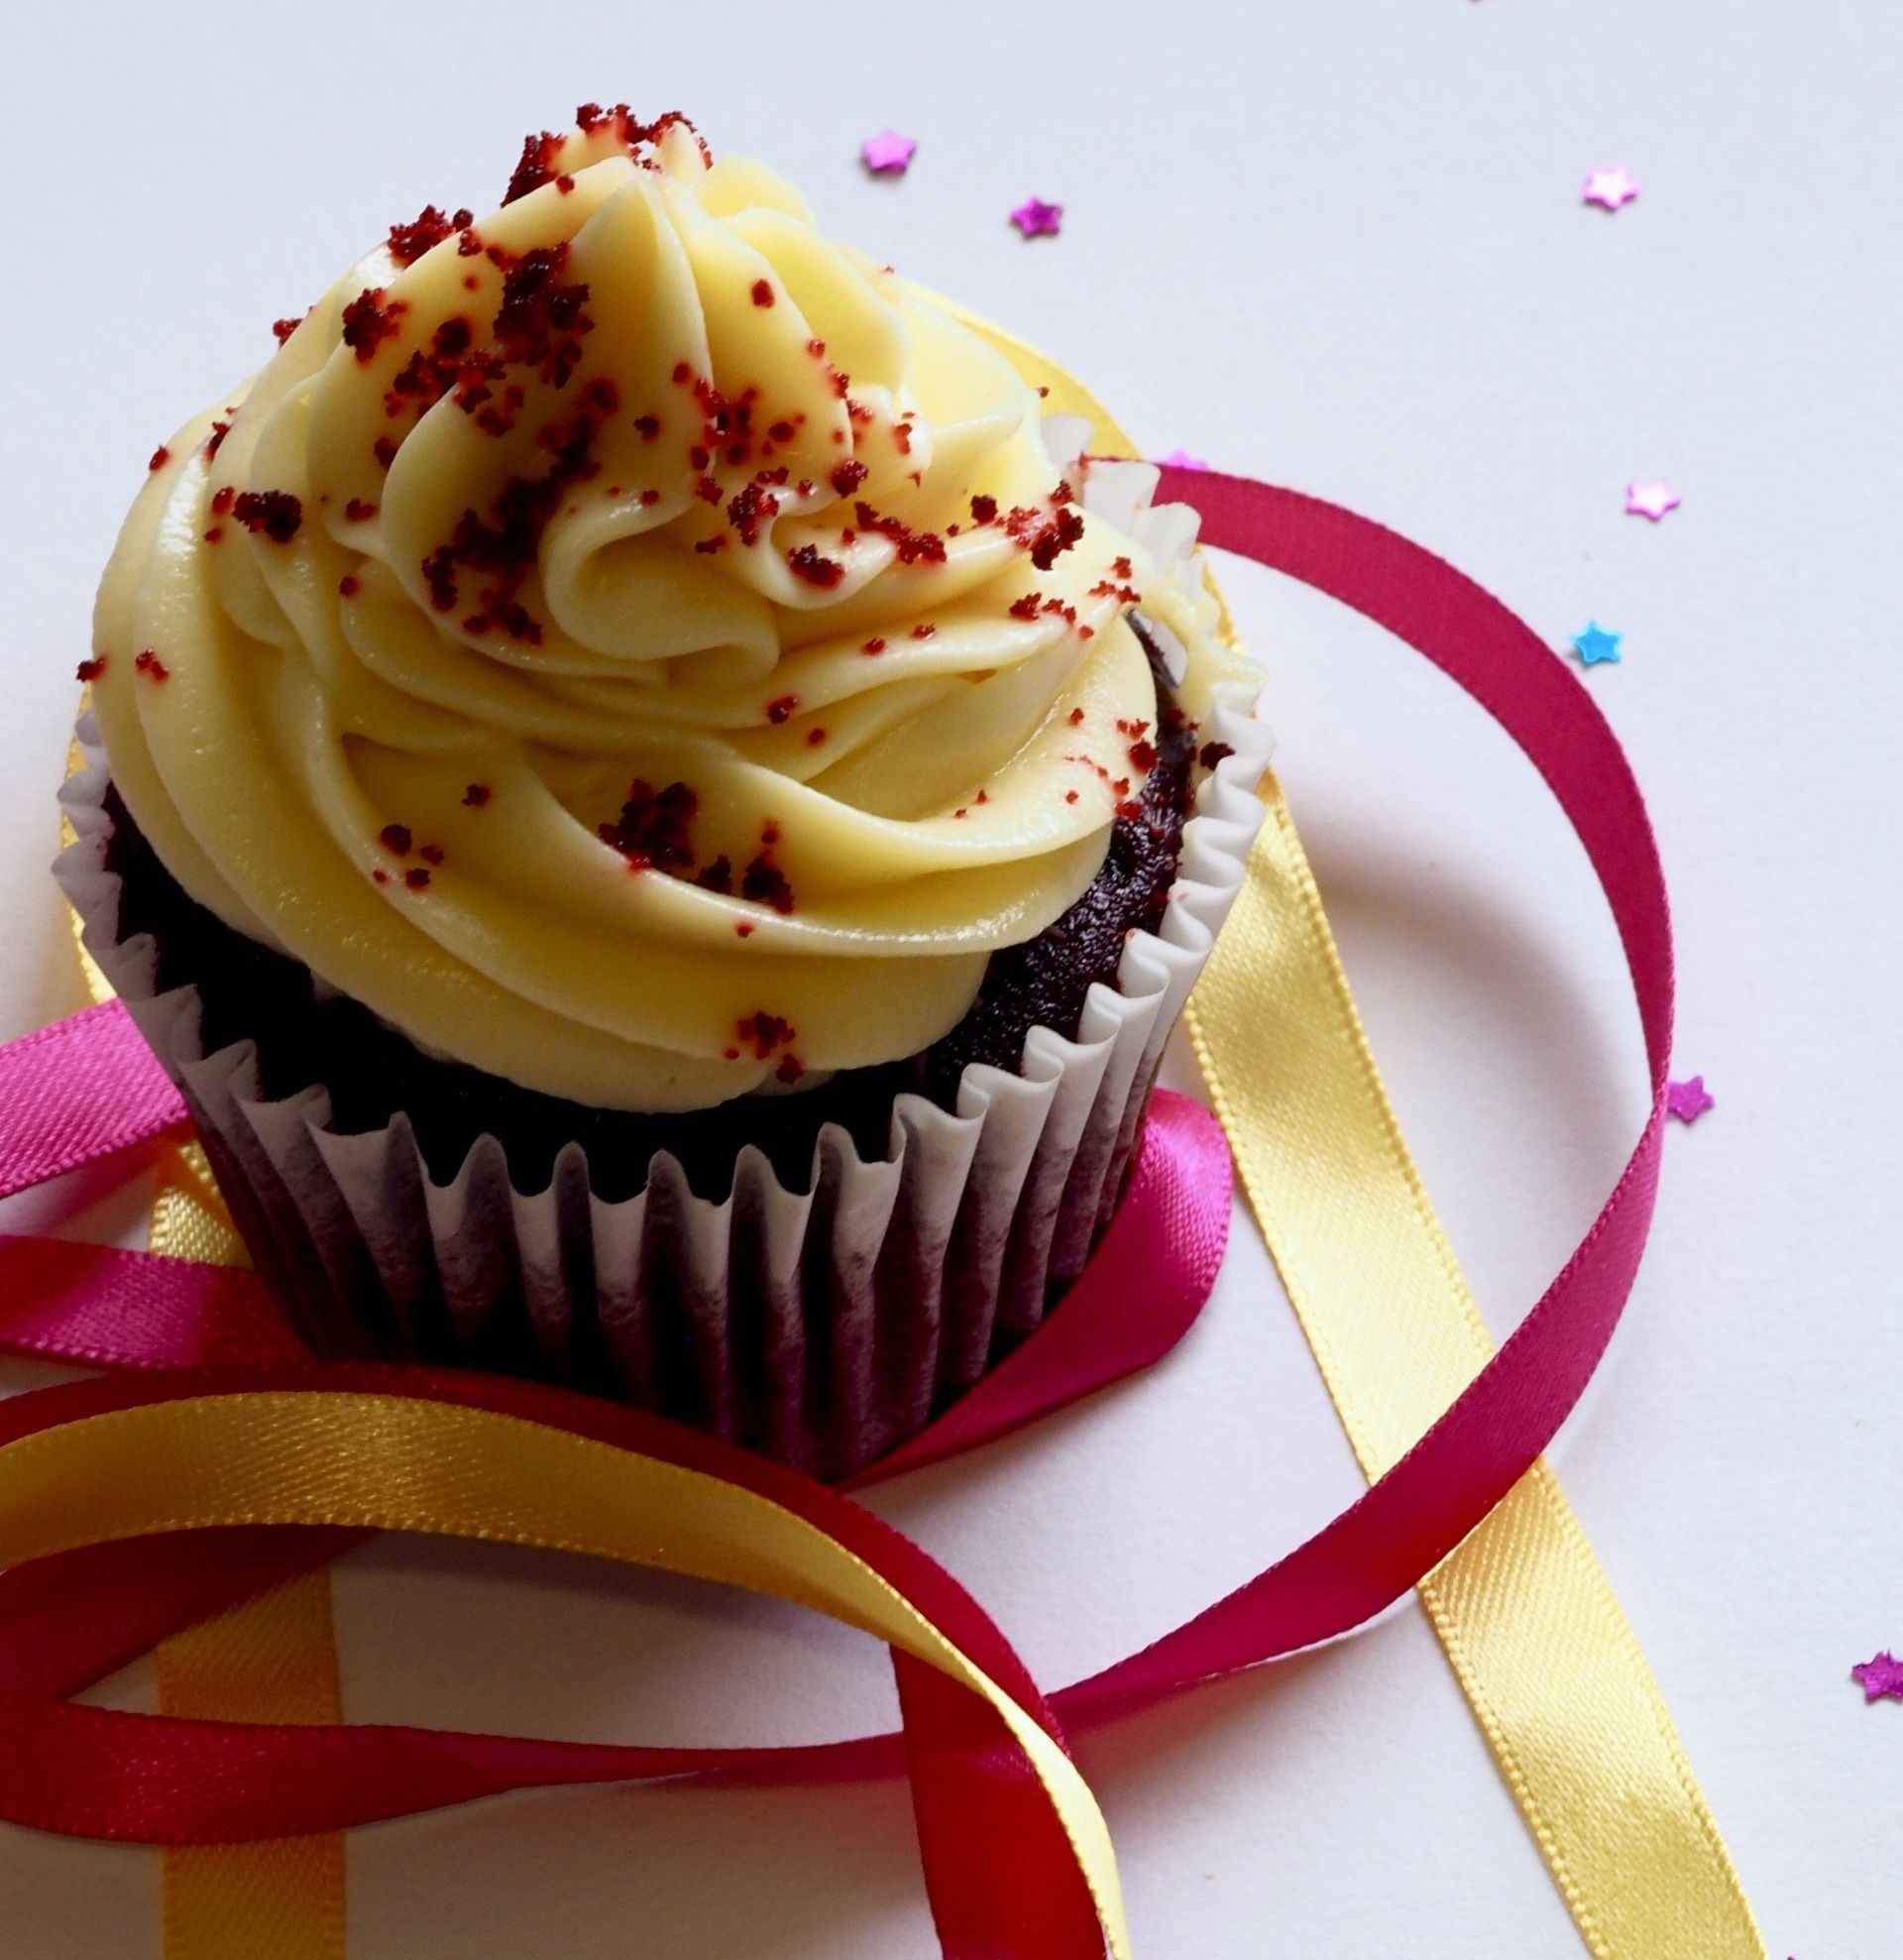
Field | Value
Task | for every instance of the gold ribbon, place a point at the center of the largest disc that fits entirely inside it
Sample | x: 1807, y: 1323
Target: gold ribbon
x: 1529, y: 1621
x: 269, y: 1659
x: 1542, y: 1652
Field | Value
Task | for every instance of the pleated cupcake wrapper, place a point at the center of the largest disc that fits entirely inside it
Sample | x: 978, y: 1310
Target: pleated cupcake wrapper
x: 822, y: 1326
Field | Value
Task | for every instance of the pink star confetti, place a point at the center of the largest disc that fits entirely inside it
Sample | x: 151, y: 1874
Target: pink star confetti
x: 1650, y: 500
x: 1609, y: 189
x: 1180, y: 459
x: 1881, y: 1678
x: 1036, y: 219
x: 888, y: 153
x: 1687, y: 1101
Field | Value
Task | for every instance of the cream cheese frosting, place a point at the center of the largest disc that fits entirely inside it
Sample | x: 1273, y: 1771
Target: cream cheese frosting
x: 633, y: 643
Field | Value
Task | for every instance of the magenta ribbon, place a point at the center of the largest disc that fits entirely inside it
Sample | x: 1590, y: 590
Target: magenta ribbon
x: 63, y: 1621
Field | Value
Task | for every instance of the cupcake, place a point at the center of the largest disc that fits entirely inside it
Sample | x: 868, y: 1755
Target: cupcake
x: 657, y: 808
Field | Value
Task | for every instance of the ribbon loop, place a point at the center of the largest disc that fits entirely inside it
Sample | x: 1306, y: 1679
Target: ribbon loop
x: 1451, y: 1450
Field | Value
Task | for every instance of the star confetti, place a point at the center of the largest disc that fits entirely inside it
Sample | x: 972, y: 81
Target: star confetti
x: 1596, y: 645
x: 1650, y: 500
x: 1881, y: 1678
x: 888, y: 153
x: 1180, y: 459
x: 1609, y: 189
x: 1036, y: 219
x: 1687, y: 1100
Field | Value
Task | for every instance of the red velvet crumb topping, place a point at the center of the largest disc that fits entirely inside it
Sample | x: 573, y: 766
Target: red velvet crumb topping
x: 275, y: 513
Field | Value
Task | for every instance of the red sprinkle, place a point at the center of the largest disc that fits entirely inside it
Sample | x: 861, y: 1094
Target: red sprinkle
x: 746, y: 931
x: 348, y: 585
x: 356, y: 510
x: 649, y: 427
x: 1059, y: 536
x: 149, y: 664
x: 91, y: 669
x: 766, y: 884
x: 813, y: 736
x: 984, y: 510
x: 847, y: 477
x: 395, y: 839
x: 215, y: 440
x: 1026, y: 607
x: 429, y: 227
x: 275, y: 513
x: 1076, y: 717
x: 873, y: 645
x: 285, y: 328
x: 782, y: 710
x: 764, y: 1032
x: 655, y: 827
x: 430, y: 854
x: 924, y: 630
x: 369, y: 322
x: 476, y: 795
x: 807, y: 562
x: 762, y: 292
x: 751, y: 509
x: 912, y: 546
x: 159, y: 458
x: 416, y: 878
x: 1213, y: 753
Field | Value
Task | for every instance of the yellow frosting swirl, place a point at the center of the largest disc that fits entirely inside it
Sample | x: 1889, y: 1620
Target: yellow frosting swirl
x: 632, y: 644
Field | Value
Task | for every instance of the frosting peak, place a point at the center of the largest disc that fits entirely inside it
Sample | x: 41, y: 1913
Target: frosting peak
x: 633, y: 643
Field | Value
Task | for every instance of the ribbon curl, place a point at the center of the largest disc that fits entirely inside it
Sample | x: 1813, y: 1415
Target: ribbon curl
x: 1013, y: 1858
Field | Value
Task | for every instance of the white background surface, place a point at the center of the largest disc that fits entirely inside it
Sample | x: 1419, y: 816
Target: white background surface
x: 1341, y: 247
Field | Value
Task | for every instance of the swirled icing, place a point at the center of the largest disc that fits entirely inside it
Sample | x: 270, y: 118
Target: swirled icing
x: 633, y: 644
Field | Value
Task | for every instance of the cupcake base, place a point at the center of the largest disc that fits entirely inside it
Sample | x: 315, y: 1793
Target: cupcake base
x: 812, y: 1282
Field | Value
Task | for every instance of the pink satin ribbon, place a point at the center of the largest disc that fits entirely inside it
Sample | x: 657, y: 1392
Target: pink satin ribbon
x: 79, y: 1091
x: 101, y: 1773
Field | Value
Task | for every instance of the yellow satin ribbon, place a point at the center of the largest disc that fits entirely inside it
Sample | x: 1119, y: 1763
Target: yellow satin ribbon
x: 1540, y: 1646
x: 269, y: 1659
x: 1532, y: 1630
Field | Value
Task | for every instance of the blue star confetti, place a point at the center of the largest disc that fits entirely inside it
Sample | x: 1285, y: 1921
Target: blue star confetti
x: 1596, y: 643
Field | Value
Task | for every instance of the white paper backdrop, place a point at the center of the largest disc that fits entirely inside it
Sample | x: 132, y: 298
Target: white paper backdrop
x: 1342, y: 247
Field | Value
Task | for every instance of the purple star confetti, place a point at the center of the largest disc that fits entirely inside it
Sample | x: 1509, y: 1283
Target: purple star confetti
x: 1650, y: 500
x: 1881, y: 1678
x: 888, y: 153
x: 1687, y: 1100
x: 1609, y: 189
x: 1036, y: 219
x: 1180, y: 459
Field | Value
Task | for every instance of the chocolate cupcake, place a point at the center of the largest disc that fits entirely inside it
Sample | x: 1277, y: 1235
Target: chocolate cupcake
x: 659, y: 810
